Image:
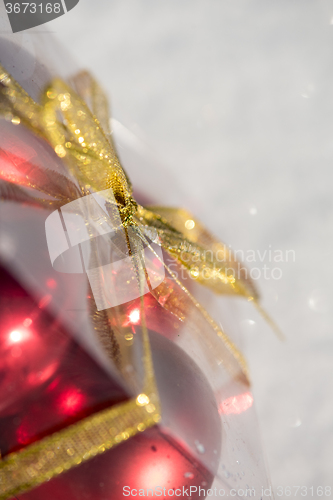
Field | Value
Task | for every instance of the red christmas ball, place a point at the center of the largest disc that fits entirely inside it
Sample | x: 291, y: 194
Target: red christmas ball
x: 31, y: 344
x: 80, y: 387
x: 181, y: 452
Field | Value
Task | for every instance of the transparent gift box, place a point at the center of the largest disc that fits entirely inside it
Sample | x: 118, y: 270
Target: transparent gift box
x: 111, y: 385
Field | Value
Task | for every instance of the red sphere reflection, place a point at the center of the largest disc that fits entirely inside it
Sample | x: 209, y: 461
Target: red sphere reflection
x: 156, y: 460
x: 71, y: 401
x: 151, y: 461
x: 31, y: 344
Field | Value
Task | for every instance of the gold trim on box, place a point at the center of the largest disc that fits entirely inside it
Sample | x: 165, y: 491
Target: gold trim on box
x: 79, y: 442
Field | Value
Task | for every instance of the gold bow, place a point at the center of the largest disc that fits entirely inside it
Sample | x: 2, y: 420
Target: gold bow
x: 81, y: 137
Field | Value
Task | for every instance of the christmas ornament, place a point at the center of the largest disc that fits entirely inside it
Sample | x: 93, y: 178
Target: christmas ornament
x: 153, y: 459
x: 95, y: 219
x: 27, y: 360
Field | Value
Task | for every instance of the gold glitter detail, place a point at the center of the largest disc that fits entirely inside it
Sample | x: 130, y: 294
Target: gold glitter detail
x: 189, y: 224
x: 16, y: 120
x: 70, y: 447
x: 142, y: 399
x: 194, y: 272
x: 150, y: 408
x: 51, y: 94
x: 60, y: 150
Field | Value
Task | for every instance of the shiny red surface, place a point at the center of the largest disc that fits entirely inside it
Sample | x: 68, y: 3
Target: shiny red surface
x: 146, y: 461
x: 31, y: 345
x: 76, y: 388
x: 157, y: 317
x: 47, y: 381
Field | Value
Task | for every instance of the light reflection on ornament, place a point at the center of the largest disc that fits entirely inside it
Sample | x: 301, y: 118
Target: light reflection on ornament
x: 236, y: 404
x: 15, y: 336
x: 30, y: 354
x: 134, y: 316
x: 19, y: 336
x: 142, y: 399
x: 44, y: 301
x: 22, y: 435
x: 35, y: 378
x: 151, y: 460
x: 156, y: 473
x: 189, y: 224
x: 51, y: 283
x: 71, y: 401
x: 129, y: 338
